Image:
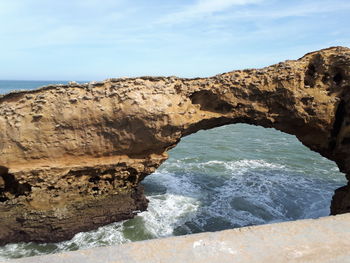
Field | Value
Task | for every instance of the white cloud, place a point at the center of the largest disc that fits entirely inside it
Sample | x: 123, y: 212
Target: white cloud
x: 202, y: 8
x: 223, y: 10
x: 200, y: 37
x: 209, y: 6
x: 299, y: 10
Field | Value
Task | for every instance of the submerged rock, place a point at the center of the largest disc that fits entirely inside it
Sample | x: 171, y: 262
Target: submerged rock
x: 73, y: 156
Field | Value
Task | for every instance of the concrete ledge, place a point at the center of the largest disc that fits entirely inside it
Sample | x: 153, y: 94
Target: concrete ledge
x: 316, y: 240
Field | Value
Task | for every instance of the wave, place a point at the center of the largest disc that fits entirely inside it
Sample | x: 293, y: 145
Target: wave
x: 190, y: 196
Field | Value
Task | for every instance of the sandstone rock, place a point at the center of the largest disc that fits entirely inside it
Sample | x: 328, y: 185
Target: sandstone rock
x: 71, y: 165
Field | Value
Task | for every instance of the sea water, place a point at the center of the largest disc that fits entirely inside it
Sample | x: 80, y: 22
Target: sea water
x: 227, y: 177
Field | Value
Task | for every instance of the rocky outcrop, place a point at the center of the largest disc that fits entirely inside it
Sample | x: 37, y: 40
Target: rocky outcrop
x: 73, y: 156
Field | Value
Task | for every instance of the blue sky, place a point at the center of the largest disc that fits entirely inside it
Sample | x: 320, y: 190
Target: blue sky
x: 98, y: 39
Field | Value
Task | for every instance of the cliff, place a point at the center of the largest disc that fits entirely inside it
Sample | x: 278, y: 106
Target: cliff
x: 73, y: 156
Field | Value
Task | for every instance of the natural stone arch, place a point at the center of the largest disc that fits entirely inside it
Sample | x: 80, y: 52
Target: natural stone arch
x: 77, y: 153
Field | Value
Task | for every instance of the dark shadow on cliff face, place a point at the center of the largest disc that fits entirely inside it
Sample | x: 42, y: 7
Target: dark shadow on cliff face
x: 9, y: 186
x: 3, y: 171
x: 209, y: 101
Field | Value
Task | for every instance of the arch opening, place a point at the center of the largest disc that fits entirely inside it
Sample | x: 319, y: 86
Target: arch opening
x: 238, y: 175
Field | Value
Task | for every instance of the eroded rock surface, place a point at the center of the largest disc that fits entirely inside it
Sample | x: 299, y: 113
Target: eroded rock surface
x: 72, y: 156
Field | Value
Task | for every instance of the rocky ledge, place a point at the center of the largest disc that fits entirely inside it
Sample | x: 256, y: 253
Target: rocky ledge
x: 73, y: 156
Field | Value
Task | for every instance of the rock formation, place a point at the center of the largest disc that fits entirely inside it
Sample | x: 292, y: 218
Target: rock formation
x: 73, y: 156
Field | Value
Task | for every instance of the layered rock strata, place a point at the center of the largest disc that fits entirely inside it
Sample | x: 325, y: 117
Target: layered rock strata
x: 73, y: 156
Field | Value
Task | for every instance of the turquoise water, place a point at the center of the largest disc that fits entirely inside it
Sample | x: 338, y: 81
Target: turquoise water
x: 231, y: 176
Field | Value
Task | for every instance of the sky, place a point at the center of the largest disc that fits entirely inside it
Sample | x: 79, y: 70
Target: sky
x: 99, y: 39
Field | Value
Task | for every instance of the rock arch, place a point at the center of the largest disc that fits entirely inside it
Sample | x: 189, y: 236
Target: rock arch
x: 82, y: 150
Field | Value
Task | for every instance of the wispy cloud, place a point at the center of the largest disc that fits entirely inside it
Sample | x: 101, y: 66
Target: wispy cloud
x: 224, y: 10
x: 295, y: 10
x: 97, y: 38
x: 202, y: 8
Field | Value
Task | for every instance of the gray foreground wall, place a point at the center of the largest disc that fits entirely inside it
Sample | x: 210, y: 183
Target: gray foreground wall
x: 316, y: 240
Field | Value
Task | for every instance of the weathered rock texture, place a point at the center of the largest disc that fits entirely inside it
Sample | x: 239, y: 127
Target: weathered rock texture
x: 72, y: 156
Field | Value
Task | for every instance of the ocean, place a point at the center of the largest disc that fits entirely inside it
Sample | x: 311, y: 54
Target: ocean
x: 232, y: 176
